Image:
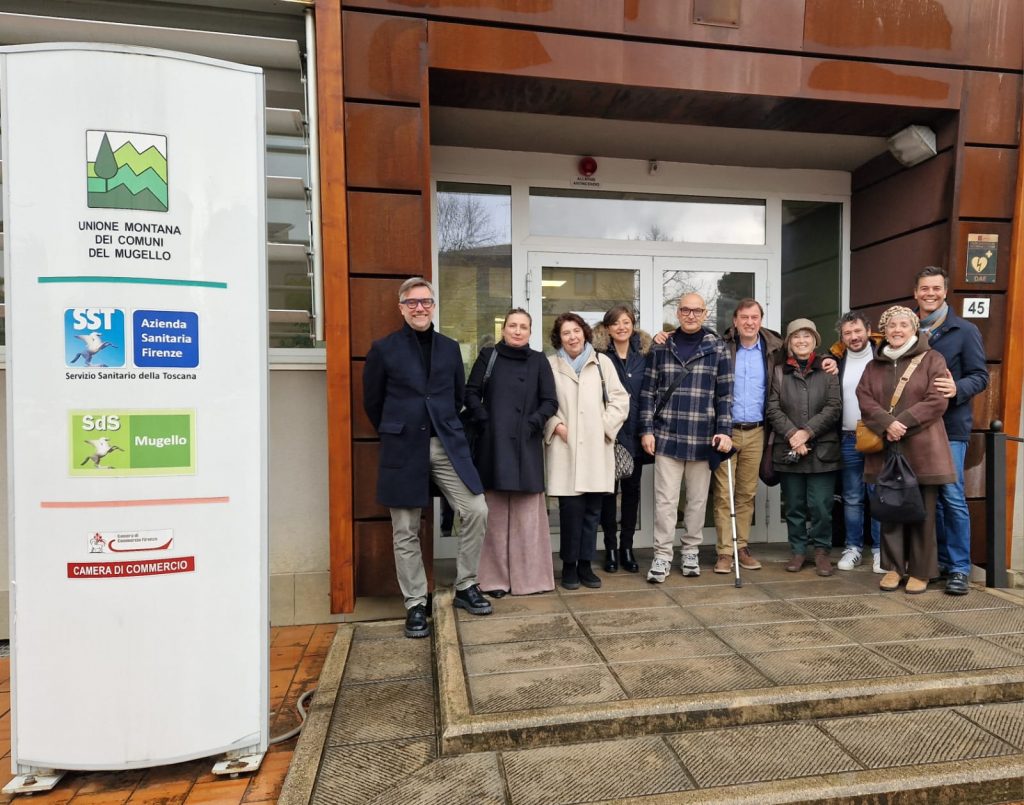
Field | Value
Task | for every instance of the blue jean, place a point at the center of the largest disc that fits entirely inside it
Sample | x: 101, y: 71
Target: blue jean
x: 855, y: 492
x: 952, y: 519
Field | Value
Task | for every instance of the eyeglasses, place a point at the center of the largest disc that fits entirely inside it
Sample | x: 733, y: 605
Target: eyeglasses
x: 412, y: 304
x: 691, y: 311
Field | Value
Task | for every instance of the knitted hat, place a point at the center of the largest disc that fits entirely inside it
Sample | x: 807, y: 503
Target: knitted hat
x: 803, y: 324
x: 898, y: 311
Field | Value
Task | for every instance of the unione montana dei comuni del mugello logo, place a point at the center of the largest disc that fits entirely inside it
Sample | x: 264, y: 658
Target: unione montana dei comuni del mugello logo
x: 126, y: 170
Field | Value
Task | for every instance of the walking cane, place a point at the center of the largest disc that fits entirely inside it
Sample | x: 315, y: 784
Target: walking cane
x: 732, y: 519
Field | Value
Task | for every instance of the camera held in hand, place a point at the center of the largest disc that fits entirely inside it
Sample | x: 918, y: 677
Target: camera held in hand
x: 792, y: 457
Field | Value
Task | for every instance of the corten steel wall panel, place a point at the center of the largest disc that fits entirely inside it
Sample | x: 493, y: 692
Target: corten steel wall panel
x: 984, y: 406
x: 384, y: 146
x: 911, y: 199
x: 374, y: 311
x: 957, y: 265
x: 885, y: 165
x: 993, y: 329
x: 362, y: 428
x: 606, y: 61
x: 384, y: 57
x: 991, y: 108
x: 995, y: 34
x: 974, y: 467
x: 988, y: 181
x: 374, y: 550
x: 601, y: 16
x: 979, y: 551
x: 385, y: 233
x: 364, y: 476
x: 885, y: 271
x: 777, y: 25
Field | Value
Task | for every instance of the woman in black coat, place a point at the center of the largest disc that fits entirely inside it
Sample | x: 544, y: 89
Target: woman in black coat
x: 630, y: 350
x: 511, y: 408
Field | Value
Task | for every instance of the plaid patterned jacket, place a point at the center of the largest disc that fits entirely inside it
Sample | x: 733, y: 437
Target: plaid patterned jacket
x: 700, y: 406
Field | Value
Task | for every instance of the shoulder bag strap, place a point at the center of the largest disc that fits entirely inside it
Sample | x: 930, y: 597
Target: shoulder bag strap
x: 604, y: 388
x: 487, y: 373
x: 903, y: 381
x: 664, y: 398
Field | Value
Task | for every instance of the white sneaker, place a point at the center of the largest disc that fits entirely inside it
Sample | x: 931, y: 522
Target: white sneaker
x: 689, y: 565
x: 850, y: 559
x: 876, y: 566
x: 659, y: 571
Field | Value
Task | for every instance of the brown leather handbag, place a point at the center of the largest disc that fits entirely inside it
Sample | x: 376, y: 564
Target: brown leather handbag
x: 867, y: 440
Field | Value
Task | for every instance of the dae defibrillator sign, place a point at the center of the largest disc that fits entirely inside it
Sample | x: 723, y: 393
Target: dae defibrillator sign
x: 134, y: 255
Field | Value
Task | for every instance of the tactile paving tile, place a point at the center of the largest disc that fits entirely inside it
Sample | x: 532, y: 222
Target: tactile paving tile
x: 382, y: 711
x: 818, y: 588
x: 937, y: 601
x: 353, y: 775
x: 890, y: 630
x: 860, y: 606
x: 593, y: 772
x: 759, y: 753
x: 532, y: 655
x: 988, y: 621
x: 950, y: 654
x: 744, y: 614
x: 911, y: 738
x: 384, y: 630
x: 631, y: 621
x: 528, y: 690
x: 707, y: 596
x: 660, y: 645
x: 779, y: 636
x: 629, y: 599
x: 512, y: 606
x: 816, y: 665
x: 1004, y: 720
x: 377, y: 660
x: 643, y: 680
x: 472, y: 779
x: 513, y: 630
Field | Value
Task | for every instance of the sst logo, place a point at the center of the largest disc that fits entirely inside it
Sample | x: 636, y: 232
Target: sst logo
x: 93, y: 336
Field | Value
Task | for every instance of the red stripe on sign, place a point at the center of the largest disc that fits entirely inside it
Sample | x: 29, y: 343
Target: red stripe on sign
x: 124, y: 570
x: 103, y: 504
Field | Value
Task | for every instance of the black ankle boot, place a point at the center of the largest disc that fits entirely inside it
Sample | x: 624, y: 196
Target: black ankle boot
x: 587, y: 576
x: 627, y: 561
x: 570, y: 576
x: 611, y: 564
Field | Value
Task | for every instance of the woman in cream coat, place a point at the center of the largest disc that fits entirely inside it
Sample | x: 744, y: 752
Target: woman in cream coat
x: 579, y: 443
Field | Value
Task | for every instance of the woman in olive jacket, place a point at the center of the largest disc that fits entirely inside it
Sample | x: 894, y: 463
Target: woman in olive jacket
x: 804, y: 407
x: 511, y: 408
x: 915, y: 425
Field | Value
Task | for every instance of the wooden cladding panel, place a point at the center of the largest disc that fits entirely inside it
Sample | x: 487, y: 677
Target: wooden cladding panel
x: 777, y: 25
x: 365, y: 467
x: 885, y: 271
x: 385, y: 146
x: 987, y: 183
x: 374, y: 311
x: 384, y: 57
x: 375, y: 569
x: 362, y: 428
x: 385, y: 233
x: 991, y: 108
x: 909, y: 200
x: 993, y: 329
x: 957, y: 267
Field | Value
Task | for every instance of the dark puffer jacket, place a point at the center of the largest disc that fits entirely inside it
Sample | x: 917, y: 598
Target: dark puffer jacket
x: 631, y: 374
x: 812, y: 400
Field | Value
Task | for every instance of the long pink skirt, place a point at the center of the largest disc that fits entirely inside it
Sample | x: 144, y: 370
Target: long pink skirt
x: 516, y: 555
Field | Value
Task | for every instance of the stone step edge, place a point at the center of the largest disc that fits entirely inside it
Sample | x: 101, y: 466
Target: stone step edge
x: 462, y: 731
x: 984, y: 780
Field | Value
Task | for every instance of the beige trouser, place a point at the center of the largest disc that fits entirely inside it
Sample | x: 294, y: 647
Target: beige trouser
x: 749, y: 445
x: 405, y: 524
x: 669, y: 475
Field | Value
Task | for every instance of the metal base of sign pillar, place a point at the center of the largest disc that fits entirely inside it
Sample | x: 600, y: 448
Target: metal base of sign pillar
x: 34, y: 782
x: 239, y: 764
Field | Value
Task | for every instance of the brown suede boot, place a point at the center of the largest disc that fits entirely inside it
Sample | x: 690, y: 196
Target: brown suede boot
x: 822, y: 564
x: 796, y: 563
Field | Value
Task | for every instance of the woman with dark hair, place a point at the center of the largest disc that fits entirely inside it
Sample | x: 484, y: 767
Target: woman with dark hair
x: 579, y: 440
x: 629, y: 350
x: 511, y: 401
x: 911, y: 422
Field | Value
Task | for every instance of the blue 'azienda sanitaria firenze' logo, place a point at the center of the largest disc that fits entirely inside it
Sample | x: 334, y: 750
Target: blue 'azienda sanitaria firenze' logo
x: 166, y: 338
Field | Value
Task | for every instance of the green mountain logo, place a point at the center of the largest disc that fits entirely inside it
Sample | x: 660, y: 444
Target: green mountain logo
x: 126, y: 170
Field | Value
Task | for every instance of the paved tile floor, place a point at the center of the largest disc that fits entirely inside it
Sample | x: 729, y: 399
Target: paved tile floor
x: 297, y: 654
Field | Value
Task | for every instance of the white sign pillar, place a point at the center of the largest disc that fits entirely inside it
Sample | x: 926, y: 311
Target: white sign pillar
x: 135, y: 279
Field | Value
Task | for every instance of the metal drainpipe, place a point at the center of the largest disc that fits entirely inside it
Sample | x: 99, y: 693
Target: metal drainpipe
x: 312, y: 124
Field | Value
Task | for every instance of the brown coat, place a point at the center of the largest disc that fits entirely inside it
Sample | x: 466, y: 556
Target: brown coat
x: 920, y: 408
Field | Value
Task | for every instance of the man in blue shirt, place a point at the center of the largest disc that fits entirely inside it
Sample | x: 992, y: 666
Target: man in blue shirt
x: 755, y: 351
x: 960, y: 344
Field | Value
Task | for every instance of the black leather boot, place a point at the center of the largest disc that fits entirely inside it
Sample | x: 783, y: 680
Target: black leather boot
x: 587, y: 576
x: 570, y: 576
x: 611, y: 564
x: 627, y: 561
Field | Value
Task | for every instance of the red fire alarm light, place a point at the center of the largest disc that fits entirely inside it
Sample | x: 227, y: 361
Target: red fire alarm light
x: 588, y: 166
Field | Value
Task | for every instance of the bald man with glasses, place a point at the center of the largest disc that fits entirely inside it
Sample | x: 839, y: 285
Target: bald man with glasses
x: 413, y: 384
x: 685, y: 416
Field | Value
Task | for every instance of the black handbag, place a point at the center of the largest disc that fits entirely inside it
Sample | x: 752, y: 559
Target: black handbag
x: 897, y: 496
x: 766, y: 471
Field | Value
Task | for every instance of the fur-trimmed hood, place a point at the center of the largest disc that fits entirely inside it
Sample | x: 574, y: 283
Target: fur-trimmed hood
x: 602, y: 341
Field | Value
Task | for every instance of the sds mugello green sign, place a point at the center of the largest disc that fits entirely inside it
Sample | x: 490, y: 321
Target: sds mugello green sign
x: 114, y: 443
